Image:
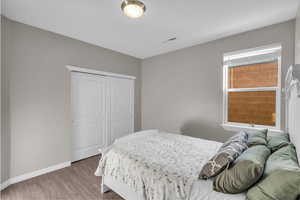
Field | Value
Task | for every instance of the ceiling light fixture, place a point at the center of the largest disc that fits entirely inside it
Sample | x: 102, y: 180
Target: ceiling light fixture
x: 133, y: 8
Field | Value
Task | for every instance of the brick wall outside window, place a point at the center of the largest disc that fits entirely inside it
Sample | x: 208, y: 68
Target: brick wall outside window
x: 253, y: 107
x: 252, y: 76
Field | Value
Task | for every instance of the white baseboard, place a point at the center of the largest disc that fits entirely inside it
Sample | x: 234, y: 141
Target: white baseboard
x: 4, y: 185
x: 26, y: 176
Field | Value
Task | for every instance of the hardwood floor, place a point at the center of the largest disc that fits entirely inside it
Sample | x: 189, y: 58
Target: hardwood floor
x: 72, y: 183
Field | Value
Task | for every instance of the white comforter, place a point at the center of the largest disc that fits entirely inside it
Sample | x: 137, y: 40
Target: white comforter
x: 164, y: 166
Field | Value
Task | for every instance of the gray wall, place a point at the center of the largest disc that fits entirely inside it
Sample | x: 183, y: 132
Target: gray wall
x: 1, y: 152
x: 4, y: 109
x: 36, y: 93
x: 297, y: 38
x: 182, y: 90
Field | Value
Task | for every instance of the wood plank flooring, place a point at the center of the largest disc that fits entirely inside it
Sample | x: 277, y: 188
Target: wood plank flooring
x: 72, y: 183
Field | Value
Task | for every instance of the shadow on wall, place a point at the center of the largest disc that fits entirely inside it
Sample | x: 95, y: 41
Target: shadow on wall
x: 205, y: 130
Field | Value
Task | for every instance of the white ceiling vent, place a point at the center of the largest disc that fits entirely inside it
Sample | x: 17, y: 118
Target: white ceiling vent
x: 170, y: 40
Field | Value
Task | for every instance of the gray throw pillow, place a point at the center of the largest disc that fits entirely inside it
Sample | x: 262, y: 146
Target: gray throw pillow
x: 242, y: 136
x: 284, y: 158
x: 281, y: 178
x: 280, y: 185
x: 226, y: 154
x: 278, y: 141
x: 257, y: 137
x: 246, y: 170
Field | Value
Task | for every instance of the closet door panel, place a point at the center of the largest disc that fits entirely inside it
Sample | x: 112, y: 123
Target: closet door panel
x: 89, y: 115
x: 121, y: 94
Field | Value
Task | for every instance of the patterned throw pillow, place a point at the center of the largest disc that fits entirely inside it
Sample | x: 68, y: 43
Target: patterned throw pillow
x: 228, y: 152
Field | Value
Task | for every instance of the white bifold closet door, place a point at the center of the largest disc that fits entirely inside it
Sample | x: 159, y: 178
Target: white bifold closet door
x: 121, y: 107
x: 89, y: 114
x: 102, y: 111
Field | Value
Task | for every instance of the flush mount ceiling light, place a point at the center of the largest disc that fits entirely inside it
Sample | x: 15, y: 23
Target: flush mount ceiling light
x: 133, y: 8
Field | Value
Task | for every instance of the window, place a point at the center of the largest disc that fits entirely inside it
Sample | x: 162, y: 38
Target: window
x: 252, y: 88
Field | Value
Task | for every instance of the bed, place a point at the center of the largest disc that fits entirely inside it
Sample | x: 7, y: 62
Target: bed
x: 155, y: 165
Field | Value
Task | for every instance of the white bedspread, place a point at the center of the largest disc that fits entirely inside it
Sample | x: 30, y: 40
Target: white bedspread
x: 203, y: 190
x: 164, y: 166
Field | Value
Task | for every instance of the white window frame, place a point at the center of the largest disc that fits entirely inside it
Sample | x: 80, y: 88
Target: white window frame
x: 234, y: 126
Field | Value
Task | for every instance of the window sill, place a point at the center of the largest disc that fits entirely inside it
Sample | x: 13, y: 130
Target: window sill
x: 235, y: 128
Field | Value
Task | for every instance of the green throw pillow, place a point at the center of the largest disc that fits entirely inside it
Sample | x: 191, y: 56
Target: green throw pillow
x: 284, y: 158
x: 281, y: 178
x: 257, y: 137
x: 277, y: 141
x: 246, y: 171
x: 280, y: 185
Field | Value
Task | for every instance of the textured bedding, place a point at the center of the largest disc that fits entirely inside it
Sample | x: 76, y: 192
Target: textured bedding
x: 203, y: 190
x: 164, y: 166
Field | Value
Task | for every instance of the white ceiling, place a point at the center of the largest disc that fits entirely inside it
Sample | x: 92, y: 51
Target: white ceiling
x: 102, y: 23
